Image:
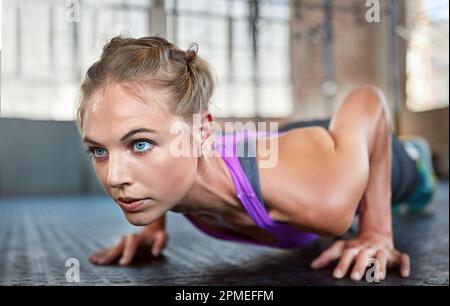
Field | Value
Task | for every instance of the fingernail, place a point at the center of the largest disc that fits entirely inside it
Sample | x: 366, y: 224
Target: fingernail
x: 382, y: 275
x: 405, y: 273
x: 314, y: 264
x: 338, y: 274
x: 356, y: 276
x: 122, y: 262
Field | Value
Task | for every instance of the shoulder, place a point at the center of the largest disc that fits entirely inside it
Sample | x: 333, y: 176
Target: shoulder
x: 294, y: 147
x: 308, y: 138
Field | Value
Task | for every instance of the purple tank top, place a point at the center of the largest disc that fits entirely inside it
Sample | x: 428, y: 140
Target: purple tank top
x: 286, y: 236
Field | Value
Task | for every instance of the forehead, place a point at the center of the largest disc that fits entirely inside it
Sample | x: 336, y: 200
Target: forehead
x: 117, y: 107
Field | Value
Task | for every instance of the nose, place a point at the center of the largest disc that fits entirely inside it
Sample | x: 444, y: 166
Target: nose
x: 118, y: 172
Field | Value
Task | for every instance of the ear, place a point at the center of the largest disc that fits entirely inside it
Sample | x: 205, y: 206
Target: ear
x: 206, y: 128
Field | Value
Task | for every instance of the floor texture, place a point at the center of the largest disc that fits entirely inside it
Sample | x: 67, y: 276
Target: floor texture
x: 38, y: 235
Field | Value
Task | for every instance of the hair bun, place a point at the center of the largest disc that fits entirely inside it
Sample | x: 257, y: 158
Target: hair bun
x: 191, y: 52
x: 114, y: 44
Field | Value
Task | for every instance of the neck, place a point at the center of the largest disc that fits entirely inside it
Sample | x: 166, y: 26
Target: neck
x: 213, y: 189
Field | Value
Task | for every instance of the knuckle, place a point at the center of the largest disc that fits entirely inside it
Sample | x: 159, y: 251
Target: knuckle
x: 369, y: 249
x: 351, y: 251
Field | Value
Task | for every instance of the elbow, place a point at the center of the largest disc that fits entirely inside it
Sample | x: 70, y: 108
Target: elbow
x: 327, y: 215
x: 326, y: 222
x: 338, y: 228
x: 336, y: 220
x: 338, y: 209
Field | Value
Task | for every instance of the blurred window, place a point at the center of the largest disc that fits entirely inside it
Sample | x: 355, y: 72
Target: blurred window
x: 427, y: 56
x: 45, y: 54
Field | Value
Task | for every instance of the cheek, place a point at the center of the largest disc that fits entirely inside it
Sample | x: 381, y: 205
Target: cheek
x: 101, y: 172
x: 172, y: 178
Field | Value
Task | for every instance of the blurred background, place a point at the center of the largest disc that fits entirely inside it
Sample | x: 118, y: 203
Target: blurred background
x: 273, y: 60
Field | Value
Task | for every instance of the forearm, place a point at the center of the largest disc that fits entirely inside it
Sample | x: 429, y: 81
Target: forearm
x: 375, y: 210
x: 375, y: 213
x: 374, y: 243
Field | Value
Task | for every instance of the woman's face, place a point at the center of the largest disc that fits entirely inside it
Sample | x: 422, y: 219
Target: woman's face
x: 129, y: 141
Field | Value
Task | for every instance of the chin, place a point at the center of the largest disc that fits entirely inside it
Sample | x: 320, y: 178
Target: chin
x: 138, y: 219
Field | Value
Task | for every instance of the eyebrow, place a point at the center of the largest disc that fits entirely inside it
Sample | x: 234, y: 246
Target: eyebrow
x: 136, y: 131
x: 124, y: 137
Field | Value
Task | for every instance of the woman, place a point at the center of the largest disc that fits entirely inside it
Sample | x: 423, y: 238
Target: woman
x: 139, y: 89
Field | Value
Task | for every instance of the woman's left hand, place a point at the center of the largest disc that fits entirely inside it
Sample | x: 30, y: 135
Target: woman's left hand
x: 365, y: 249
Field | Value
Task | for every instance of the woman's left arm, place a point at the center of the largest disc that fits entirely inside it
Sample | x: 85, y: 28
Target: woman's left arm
x: 374, y: 242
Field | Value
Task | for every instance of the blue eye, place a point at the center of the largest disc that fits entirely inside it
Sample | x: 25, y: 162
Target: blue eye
x: 141, y: 146
x: 99, y: 152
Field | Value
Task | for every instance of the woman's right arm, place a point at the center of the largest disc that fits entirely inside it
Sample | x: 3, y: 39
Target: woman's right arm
x: 150, y: 241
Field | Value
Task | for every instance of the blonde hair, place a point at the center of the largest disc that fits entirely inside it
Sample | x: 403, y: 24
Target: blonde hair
x: 156, y: 62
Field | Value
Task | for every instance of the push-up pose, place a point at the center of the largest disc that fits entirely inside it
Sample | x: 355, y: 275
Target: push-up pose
x: 325, y: 172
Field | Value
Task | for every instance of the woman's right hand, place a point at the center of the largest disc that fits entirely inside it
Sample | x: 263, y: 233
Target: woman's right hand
x: 146, y: 243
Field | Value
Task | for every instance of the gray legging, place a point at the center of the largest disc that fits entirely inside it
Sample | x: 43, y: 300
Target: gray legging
x: 405, y: 178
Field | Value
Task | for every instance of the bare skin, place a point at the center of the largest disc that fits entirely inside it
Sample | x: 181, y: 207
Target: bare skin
x: 320, y: 178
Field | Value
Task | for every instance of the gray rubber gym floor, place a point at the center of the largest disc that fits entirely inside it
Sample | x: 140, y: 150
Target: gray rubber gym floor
x: 37, y: 236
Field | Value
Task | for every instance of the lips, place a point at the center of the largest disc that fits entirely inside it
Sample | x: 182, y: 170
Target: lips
x: 131, y: 204
x: 128, y: 200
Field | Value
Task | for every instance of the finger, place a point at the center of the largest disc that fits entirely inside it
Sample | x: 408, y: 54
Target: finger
x: 113, y: 253
x: 159, y: 244
x: 381, y: 256
x: 404, y: 265
x: 346, y: 259
x: 129, y: 250
x: 330, y: 254
x: 97, y: 255
x: 361, y: 263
